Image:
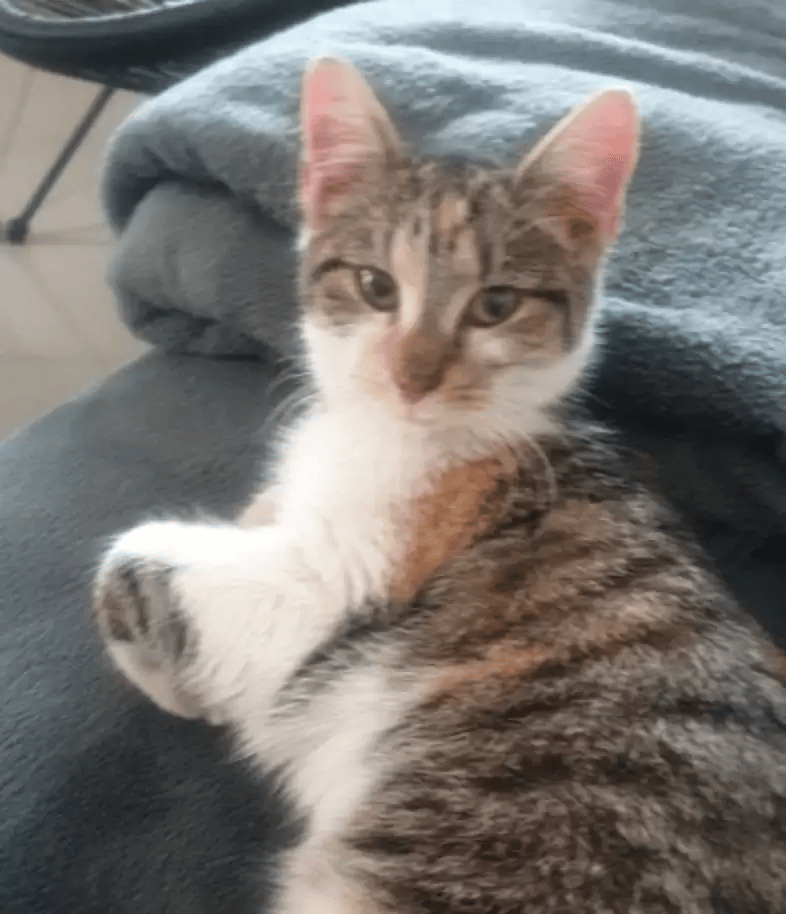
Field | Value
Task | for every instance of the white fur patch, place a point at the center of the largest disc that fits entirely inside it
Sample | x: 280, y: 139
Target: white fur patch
x: 261, y: 597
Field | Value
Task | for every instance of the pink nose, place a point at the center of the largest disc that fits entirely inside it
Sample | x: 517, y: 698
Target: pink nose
x: 414, y: 382
x: 417, y: 361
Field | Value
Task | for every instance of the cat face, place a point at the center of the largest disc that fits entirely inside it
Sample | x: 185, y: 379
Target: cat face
x: 450, y: 294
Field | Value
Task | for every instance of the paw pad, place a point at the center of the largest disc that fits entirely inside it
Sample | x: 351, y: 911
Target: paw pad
x: 135, y: 603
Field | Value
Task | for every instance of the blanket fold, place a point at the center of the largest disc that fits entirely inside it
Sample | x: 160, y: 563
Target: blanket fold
x: 199, y: 187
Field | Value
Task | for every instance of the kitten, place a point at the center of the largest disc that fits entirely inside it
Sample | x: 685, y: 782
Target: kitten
x: 490, y: 669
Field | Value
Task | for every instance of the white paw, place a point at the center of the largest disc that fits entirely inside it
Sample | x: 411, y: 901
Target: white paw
x: 140, y: 616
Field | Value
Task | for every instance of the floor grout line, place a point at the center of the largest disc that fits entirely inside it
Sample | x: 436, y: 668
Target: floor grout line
x: 59, y: 326
x: 16, y: 118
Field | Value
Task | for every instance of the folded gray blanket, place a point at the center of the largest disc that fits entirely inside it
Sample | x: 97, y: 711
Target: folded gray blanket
x: 200, y: 183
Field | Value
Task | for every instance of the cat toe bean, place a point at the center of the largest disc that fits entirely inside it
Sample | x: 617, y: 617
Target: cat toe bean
x: 145, y: 629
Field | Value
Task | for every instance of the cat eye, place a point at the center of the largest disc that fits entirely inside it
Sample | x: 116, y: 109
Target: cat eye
x: 494, y: 305
x: 377, y: 287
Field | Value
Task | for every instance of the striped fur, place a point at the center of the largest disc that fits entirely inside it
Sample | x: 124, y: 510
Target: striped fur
x: 493, y: 673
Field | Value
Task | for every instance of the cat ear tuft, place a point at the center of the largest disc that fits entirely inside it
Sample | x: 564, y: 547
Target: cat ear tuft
x: 590, y: 156
x: 347, y: 137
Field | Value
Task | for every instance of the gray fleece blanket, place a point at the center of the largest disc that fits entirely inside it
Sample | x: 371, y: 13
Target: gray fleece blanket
x: 200, y: 181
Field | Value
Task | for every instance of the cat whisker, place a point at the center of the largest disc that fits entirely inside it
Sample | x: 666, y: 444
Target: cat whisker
x: 549, y: 475
x: 287, y: 408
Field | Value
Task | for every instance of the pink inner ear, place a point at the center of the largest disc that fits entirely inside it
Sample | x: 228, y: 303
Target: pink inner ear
x: 335, y: 163
x: 335, y: 138
x: 599, y: 195
x: 322, y: 100
x: 596, y: 153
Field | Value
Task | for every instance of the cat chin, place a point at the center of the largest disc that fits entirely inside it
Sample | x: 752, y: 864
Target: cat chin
x: 506, y: 416
x: 516, y: 406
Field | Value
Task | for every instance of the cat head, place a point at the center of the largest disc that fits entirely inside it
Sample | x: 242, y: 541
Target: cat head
x: 453, y: 295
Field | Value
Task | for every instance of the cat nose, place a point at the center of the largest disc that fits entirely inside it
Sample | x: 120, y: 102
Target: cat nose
x: 413, y: 387
x: 418, y: 363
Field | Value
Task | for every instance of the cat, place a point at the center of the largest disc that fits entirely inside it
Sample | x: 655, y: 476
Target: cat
x: 491, y: 670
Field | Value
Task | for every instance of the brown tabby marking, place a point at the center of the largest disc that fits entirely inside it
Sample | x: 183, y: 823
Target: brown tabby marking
x: 594, y: 728
x: 459, y: 507
x: 561, y: 711
x: 637, y: 621
x: 543, y: 326
x: 776, y: 664
x: 501, y: 663
x: 444, y: 235
x: 601, y: 730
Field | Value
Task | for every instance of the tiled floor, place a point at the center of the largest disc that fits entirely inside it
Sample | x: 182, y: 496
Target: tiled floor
x: 58, y: 328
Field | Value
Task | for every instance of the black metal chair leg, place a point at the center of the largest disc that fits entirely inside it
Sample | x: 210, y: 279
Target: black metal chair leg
x: 15, y: 230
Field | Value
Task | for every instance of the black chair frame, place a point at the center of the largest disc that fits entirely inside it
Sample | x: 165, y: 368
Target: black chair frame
x: 141, y: 45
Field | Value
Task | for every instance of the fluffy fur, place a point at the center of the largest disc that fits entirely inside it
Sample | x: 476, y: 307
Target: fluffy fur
x: 492, y: 672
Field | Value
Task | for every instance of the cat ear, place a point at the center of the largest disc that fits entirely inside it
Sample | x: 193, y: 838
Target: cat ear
x: 347, y: 138
x: 590, y: 156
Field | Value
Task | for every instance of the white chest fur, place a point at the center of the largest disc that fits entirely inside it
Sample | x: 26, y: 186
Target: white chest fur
x: 341, y: 480
x: 339, y: 484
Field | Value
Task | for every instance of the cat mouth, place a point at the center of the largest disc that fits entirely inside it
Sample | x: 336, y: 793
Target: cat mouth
x: 424, y: 412
x: 438, y: 408
x: 444, y: 404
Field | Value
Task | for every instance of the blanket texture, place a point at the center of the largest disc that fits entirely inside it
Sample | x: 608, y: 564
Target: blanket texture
x: 200, y: 182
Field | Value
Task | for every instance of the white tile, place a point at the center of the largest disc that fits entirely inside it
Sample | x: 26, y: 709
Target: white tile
x: 51, y: 107
x: 59, y: 329
x: 14, y: 79
x: 31, y: 324
x: 73, y: 277
x: 81, y: 180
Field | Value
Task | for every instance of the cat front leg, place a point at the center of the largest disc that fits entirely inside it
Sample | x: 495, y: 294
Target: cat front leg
x: 146, y: 632
x: 262, y: 510
x: 209, y: 620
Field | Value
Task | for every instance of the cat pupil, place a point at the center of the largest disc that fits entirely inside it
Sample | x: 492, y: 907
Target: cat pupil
x: 378, y: 288
x: 497, y: 304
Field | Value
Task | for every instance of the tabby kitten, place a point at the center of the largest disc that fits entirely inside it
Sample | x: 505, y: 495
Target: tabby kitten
x: 490, y: 669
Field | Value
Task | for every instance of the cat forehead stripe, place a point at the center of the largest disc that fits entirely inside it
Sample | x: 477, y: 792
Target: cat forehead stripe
x: 409, y: 260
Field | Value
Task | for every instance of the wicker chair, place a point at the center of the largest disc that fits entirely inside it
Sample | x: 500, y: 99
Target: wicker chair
x: 141, y: 45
